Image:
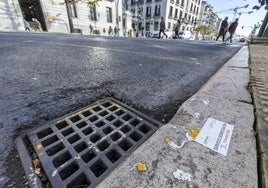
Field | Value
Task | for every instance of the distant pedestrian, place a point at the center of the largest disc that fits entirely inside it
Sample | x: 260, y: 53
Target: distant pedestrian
x: 162, y: 28
x: 223, y: 29
x: 115, y: 31
x: 232, y: 29
x: 110, y: 30
x: 177, y: 29
x: 37, y: 24
x: 91, y: 29
x: 26, y: 25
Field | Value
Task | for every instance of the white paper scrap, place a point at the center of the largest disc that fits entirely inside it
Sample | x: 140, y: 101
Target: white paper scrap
x: 182, y: 176
x: 216, y: 135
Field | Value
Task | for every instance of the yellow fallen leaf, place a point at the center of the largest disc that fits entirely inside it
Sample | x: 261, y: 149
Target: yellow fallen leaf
x: 38, y: 146
x: 168, y: 140
x: 141, y: 167
x: 193, y: 132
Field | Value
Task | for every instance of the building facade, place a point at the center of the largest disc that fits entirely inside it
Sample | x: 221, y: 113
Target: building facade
x: 64, y: 16
x: 149, y: 12
x: 70, y: 16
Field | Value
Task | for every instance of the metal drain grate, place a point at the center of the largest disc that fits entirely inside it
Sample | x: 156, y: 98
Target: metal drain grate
x: 83, y: 148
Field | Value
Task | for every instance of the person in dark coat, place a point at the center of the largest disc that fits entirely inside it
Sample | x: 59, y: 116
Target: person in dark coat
x: 177, y: 29
x: 223, y: 29
x: 232, y: 29
x: 162, y: 28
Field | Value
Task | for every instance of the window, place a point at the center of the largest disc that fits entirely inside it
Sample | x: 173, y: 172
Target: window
x: 73, y: 9
x: 147, y: 26
x: 180, y: 15
x: 170, y: 12
x: 156, y: 26
x: 148, y: 11
x: 169, y: 25
x: 177, y: 2
x: 92, y: 11
x: 176, y: 13
x: 109, y: 14
x: 140, y: 11
x: 157, y: 10
x: 133, y: 2
x: 182, y: 3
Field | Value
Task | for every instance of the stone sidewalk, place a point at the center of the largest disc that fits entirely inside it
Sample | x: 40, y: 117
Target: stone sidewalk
x: 259, y: 83
x: 224, y: 97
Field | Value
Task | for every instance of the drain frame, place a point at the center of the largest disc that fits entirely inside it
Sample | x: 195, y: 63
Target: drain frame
x: 83, y: 147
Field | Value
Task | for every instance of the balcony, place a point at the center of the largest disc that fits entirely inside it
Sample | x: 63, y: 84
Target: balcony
x: 157, y: 0
x: 148, y: 1
x: 172, y: 1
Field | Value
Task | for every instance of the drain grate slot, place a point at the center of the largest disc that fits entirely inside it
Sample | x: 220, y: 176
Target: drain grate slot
x: 81, y: 149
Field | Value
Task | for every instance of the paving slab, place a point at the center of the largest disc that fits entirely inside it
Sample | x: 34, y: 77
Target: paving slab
x: 225, y: 98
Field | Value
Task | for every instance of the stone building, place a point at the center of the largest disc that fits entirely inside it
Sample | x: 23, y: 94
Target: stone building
x: 63, y: 16
x: 151, y: 11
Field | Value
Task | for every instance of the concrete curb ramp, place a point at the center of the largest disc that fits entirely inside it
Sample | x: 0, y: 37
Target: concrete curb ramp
x: 224, y: 98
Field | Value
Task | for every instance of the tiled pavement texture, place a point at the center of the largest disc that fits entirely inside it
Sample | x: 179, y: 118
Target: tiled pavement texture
x: 259, y: 83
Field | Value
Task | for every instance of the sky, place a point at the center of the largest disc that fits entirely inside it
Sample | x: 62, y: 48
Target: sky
x: 246, y: 20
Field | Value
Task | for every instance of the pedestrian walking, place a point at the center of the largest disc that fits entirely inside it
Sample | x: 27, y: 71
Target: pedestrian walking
x: 162, y: 28
x: 223, y: 29
x: 26, y: 25
x: 232, y: 29
x: 91, y: 29
x: 115, y: 31
x: 37, y: 24
x: 177, y: 29
x: 110, y: 30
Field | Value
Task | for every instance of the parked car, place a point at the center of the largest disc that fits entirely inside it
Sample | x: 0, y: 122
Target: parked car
x: 185, y: 35
x: 169, y: 33
x: 242, y: 40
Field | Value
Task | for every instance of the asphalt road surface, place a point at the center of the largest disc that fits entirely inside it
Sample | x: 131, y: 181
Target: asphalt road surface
x: 45, y: 76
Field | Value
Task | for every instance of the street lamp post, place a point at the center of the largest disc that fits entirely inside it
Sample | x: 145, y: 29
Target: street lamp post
x: 137, y: 17
x: 69, y: 14
x: 240, y: 13
x: 236, y: 9
x: 117, y: 17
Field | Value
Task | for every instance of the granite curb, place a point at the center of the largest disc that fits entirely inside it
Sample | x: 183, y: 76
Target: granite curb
x: 225, y: 98
x: 259, y: 77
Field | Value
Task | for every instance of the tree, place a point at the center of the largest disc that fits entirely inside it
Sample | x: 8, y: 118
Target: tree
x: 204, y: 30
x: 68, y: 8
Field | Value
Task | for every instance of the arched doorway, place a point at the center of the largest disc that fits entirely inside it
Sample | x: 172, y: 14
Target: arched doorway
x: 32, y: 9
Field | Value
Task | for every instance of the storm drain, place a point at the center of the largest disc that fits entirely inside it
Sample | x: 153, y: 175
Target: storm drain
x: 80, y: 150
